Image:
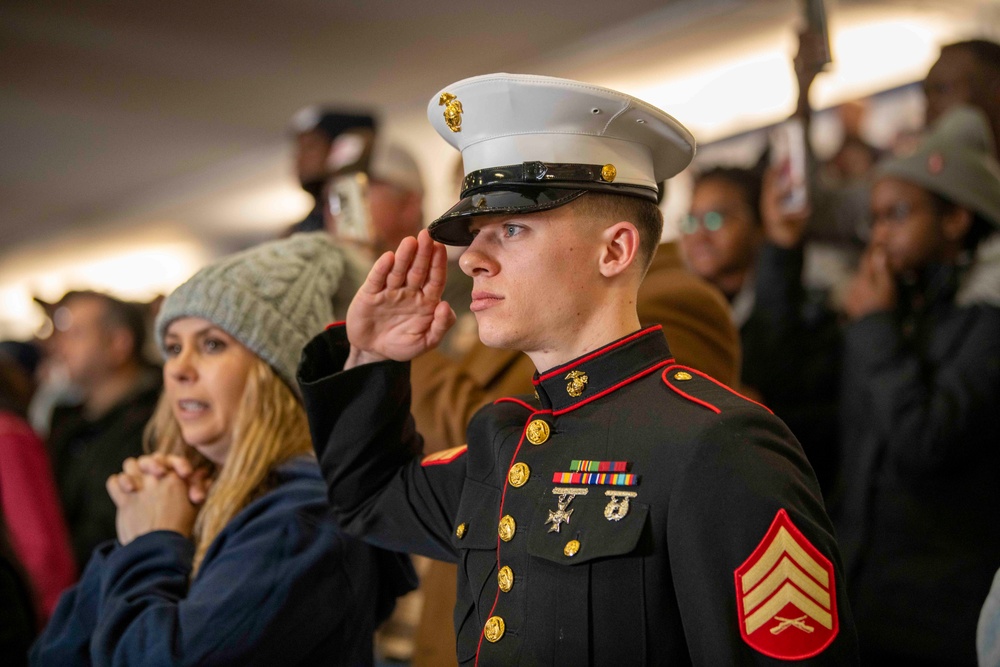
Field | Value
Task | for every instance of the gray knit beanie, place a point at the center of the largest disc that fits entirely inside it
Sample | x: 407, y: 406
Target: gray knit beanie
x: 272, y: 298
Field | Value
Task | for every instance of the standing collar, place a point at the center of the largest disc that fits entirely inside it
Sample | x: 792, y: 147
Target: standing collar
x: 602, y: 371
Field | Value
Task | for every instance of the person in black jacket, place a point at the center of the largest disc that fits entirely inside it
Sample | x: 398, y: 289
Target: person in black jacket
x: 737, y: 236
x: 918, y: 489
x: 226, y: 551
x: 634, y: 510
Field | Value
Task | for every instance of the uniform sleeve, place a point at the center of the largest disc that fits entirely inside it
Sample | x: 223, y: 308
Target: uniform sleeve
x: 368, y: 447
x: 741, y: 475
x: 66, y: 638
x: 268, y: 593
x: 926, y: 412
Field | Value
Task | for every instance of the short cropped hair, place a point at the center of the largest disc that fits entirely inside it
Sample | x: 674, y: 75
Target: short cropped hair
x: 642, y: 213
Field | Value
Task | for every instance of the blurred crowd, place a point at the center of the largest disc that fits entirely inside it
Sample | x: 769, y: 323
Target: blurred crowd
x: 886, y: 369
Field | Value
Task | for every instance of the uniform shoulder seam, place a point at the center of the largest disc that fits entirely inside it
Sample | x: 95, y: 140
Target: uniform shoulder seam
x: 667, y: 377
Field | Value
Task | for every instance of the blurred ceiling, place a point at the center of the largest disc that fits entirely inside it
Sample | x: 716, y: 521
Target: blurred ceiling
x: 141, y: 120
x: 109, y: 109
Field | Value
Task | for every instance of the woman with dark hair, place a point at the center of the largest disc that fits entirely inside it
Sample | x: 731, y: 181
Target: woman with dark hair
x: 226, y: 551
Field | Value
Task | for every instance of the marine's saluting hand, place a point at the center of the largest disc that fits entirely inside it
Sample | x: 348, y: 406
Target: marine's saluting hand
x: 398, y: 312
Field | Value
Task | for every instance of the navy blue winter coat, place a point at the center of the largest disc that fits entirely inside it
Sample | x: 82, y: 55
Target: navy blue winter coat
x: 281, y: 584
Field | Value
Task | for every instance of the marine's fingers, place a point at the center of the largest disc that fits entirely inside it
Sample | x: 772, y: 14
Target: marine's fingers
x: 375, y: 282
x: 416, y: 277
x: 438, y: 273
x: 444, y: 319
x: 404, y: 259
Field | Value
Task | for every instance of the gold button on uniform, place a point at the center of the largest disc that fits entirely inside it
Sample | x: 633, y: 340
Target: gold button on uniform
x: 505, y: 578
x: 571, y: 548
x: 506, y: 528
x: 608, y: 172
x: 538, y: 431
x: 494, y: 629
x: 460, y: 531
x: 682, y: 375
x: 518, y: 474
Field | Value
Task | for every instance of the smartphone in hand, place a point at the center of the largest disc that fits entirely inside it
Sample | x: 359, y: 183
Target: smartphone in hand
x: 789, y: 156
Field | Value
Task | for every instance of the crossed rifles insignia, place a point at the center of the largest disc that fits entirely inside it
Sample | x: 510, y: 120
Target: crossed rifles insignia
x: 786, y: 595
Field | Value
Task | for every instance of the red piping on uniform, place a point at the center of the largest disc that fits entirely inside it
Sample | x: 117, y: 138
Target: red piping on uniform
x: 514, y: 400
x: 612, y: 388
x: 711, y: 379
x: 598, y: 353
x: 503, y: 496
x: 335, y: 324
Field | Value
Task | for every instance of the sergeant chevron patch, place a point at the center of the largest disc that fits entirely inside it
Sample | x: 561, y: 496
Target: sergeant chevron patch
x: 785, y: 595
x: 441, y: 458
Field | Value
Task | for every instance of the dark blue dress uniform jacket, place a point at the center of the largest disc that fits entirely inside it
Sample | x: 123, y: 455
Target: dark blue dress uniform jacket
x: 280, y: 585
x: 659, y: 585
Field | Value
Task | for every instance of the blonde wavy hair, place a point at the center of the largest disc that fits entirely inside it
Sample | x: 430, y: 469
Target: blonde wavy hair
x: 270, y: 428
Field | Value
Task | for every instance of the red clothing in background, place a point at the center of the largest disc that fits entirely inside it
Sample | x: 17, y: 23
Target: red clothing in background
x: 30, y: 506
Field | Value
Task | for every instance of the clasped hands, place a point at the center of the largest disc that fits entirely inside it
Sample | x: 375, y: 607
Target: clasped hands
x: 157, y: 492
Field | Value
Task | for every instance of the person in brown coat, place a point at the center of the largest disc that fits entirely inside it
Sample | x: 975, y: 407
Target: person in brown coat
x: 696, y: 321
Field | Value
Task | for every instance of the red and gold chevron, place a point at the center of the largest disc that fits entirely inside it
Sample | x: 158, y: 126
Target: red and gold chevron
x: 446, y: 456
x: 785, y: 594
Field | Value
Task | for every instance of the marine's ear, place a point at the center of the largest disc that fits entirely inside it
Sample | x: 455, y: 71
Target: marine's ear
x: 619, y: 248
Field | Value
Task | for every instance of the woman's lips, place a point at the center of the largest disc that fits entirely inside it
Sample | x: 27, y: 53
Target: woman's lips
x: 483, y: 300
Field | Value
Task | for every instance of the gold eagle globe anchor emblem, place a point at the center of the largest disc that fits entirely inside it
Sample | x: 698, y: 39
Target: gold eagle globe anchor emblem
x: 577, y: 383
x: 452, y: 111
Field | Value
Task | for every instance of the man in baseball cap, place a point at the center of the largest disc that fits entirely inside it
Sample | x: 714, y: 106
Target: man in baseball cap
x: 633, y: 510
x: 315, y: 130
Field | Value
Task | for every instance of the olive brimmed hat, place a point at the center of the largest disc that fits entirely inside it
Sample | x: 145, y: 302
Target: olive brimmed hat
x: 532, y: 143
x: 955, y: 161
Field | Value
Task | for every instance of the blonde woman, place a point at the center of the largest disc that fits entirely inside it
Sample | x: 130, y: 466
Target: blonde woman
x: 226, y: 553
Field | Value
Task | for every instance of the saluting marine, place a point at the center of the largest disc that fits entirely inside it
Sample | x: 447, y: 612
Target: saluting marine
x: 633, y: 511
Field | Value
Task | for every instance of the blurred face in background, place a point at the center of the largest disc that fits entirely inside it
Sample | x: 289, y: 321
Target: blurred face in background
x: 720, y: 235
x: 204, y: 377
x: 908, y: 226
x: 312, y: 149
x: 89, y: 350
x: 956, y: 78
